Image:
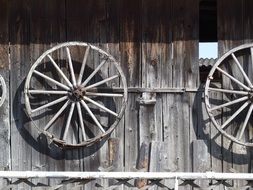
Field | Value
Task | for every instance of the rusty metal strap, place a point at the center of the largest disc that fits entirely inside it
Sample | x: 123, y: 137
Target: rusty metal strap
x: 152, y: 90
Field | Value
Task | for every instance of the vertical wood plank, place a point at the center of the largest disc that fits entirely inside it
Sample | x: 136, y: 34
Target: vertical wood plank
x: 185, y: 43
x: 177, y: 133
x: 147, y: 121
x: 201, y: 160
x: 130, y: 41
x: 156, y: 157
x: 170, y: 131
x: 47, y: 27
x: 5, y: 162
x: 19, y: 26
x: 86, y: 23
x: 248, y: 38
x: 110, y: 41
x: 216, y: 147
x: 130, y: 61
x: 131, y: 133
x: 156, y: 43
x: 5, y: 156
x: 143, y: 163
x: 230, y: 16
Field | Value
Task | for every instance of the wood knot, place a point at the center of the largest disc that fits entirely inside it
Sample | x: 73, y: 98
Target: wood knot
x: 154, y: 62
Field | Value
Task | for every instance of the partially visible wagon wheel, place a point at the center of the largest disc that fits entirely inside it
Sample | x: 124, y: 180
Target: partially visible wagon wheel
x: 229, y: 94
x: 2, y: 90
x: 78, y: 91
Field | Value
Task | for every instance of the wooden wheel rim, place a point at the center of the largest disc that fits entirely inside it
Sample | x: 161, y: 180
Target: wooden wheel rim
x: 4, y: 91
x: 120, y: 113
x: 245, y: 105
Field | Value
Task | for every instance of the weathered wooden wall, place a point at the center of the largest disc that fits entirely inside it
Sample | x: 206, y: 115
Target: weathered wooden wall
x: 156, y: 43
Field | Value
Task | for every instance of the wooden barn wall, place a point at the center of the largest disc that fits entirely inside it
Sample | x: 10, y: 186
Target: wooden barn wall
x: 156, y: 43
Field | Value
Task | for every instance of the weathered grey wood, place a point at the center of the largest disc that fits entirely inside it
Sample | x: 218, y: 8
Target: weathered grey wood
x: 156, y: 158
x: 130, y: 40
x: 201, y: 160
x: 151, y: 64
x: 143, y: 163
x: 77, y: 24
x: 5, y: 156
x: 148, y: 130
x: 131, y: 133
x: 114, y: 158
x: 155, y: 43
x: 45, y: 24
x: 248, y: 39
x: 5, y: 162
x: 176, y: 132
x: 193, y: 121
x: 229, y: 36
x: 111, y: 42
x: 170, y: 131
x: 157, y: 46
x: 185, y: 44
x: 158, y: 118
x: 19, y: 63
x: 215, y: 138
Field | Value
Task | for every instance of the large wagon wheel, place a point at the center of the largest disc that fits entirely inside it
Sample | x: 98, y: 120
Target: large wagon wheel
x: 78, y: 93
x: 231, y: 112
x: 2, y: 91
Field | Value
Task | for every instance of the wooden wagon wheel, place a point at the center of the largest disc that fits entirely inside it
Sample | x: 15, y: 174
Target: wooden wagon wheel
x: 3, y: 90
x: 231, y: 112
x: 74, y: 90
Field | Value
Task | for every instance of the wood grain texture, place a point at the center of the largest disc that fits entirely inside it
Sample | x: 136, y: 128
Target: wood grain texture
x: 156, y: 44
x: 5, y: 155
x: 21, y: 150
x: 230, y: 36
x: 4, y: 109
x: 130, y: 40
x: 201, y: 160
x: 185, y: 47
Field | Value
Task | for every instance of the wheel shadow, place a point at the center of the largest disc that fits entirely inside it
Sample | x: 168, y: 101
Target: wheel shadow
x: 215, y: 141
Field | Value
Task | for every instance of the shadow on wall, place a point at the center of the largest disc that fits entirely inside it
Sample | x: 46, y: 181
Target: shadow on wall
x: 39, y: 141
x: 206, y: 131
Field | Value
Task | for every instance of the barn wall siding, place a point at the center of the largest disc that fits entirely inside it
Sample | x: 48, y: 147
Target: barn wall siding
x: 156, y: 43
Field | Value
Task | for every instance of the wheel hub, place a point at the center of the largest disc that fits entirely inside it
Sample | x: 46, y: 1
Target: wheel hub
x: 77, y: 94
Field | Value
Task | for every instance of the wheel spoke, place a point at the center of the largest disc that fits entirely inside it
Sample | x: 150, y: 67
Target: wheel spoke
x: 245, y: 122
x: 233, y: 79
x: 103, y: 94
x: 72, y: 74
x: 80, y: 115
x: 242, y: 71
x: 68, y: 120
x: 94, y: 72
x: 102, y: 82
x: 92, y: 116
x: 50, y: 104
x: 100, y: 106
x: 60, y: 71
x: 83, y: 65
x: 51, y: 80
x: 48, y: 92
x: 228, y: 91
x: 230, y: 103
x: 235, y: 114
x: 56, y: 116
